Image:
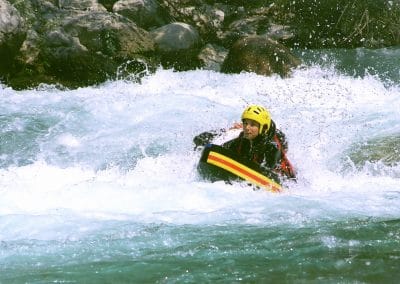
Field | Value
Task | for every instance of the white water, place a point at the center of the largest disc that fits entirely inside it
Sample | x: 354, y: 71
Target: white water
x: 123, y: 151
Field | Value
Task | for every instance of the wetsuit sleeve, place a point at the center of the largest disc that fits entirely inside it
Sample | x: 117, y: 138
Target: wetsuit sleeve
x: 231, y: 144
x: 272, y: 156
x: 206, y: 137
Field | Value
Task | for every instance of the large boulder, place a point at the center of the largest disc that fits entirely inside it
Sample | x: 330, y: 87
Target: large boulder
x: 90, y: 47
x: 261, y: 55
x: 109, y: 34
x: 78, y: 48
x: 177, y: 45
x: 175, y: 36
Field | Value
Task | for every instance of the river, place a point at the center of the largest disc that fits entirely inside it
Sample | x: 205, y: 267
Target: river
x: 99, y: 184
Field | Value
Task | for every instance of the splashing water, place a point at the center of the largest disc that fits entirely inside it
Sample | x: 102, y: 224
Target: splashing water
x: 100, y: 183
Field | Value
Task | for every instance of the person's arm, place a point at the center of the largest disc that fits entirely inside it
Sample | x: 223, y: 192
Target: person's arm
x: 206, y: 137
x: 285, y: 166
x: 272, y: 156
x: 231, y: 144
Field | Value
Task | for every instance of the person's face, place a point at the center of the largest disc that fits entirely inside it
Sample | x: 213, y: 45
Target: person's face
x: 250, y: 129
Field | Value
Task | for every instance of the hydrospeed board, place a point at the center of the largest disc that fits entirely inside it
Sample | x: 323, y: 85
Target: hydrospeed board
x: 218, y: 163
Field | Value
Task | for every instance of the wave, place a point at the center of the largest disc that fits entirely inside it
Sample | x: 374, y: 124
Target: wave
x: 124, y: 151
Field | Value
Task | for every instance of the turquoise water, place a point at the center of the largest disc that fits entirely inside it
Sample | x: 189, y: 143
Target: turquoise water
x: 99, y: 184
x: 340, y: 251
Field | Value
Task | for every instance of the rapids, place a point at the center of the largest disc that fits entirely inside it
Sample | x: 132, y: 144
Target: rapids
x: 100, y: 183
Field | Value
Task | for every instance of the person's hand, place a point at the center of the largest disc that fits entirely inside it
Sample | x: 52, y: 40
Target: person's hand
x: 237, y: 125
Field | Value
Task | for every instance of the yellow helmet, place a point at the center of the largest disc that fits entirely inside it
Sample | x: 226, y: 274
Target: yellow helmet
x: 260, y: 115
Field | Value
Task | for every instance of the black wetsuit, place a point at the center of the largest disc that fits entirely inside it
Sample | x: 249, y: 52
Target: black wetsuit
x: 263, y: 149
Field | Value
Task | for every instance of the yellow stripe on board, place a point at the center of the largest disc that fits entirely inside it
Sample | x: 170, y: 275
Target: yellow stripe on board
x: 242, y: 171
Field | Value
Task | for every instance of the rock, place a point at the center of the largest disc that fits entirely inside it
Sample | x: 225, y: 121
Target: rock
x: 11, y: 23
x: 212, y: 56
x: 260, y: 55
x: 279, y: 32
x: 247, y: 26
x: 12, y: 35
x: 85, y: 5
x: 208, y: 20
x: 109, y: 34
x: 145, y: 13
x: 177, y: 46
x: 80, y: 48
x: 43, y: 40
x: 175, y: 36
x: 89, y: 48
x: 30, y: 49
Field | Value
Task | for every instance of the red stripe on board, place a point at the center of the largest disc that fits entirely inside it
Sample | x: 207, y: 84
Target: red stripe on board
x: 261, y: 181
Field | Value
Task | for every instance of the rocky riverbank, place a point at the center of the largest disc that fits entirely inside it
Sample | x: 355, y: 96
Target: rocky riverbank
x: 76, y: 43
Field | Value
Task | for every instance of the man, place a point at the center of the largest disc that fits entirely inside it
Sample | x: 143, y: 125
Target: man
x: 259, y: 141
